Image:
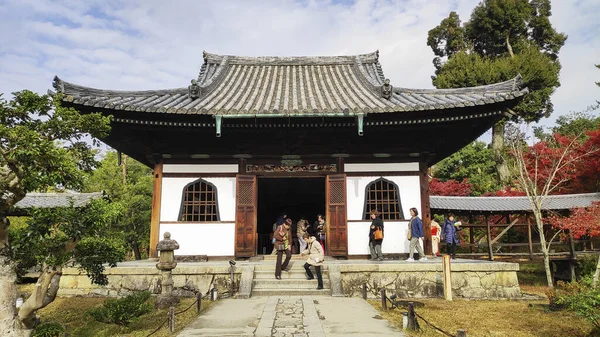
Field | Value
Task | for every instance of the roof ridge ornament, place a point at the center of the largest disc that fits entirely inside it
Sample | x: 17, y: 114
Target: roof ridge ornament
x: 386, y: 89
x: 518, y: 82
x: 194, y: 90
x: 58, y: 84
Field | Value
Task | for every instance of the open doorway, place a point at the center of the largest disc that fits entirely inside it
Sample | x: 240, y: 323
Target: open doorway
x: 297, y: 197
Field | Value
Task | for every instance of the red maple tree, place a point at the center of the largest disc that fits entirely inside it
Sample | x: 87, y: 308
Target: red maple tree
x: 580, y: 222
x: 450, y: 187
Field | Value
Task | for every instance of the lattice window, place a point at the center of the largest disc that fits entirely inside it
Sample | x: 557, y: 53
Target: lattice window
x: 199, y: 203
x: 383, y: 196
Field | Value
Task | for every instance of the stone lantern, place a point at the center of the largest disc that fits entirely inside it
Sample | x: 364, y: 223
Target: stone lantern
x: 165, y: 264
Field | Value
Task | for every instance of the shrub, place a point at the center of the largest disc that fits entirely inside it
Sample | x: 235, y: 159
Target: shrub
x: 48, y: 329
x: 124, y: 310
x: 586, y: 266
x: 582, y: 298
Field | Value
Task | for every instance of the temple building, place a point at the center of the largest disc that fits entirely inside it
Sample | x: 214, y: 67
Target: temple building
x: 252, y: 137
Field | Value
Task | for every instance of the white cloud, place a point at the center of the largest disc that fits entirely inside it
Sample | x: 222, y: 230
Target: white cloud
x: 154, y: 44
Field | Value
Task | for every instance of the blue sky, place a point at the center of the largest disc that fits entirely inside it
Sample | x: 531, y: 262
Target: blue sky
x: 151, y: 44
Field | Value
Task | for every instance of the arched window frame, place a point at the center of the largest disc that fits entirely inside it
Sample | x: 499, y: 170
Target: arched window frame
x: 217, y: 216
x: 385, y: 214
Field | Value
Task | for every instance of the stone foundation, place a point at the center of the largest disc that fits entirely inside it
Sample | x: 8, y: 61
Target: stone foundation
x: 123, y: 280
x: 476, y: 280
x: 470, y: 279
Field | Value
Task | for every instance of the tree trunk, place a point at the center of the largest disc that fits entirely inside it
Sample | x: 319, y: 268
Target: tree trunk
x: 136, y: 250
x: 498, y: 150
x: 544, y: 246
x: 509, y: 47
x: 597, y: 273
x: 44, y: 293
x: 9, y: 324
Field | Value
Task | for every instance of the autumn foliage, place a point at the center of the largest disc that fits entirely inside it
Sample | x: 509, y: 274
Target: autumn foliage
x: 580, y: 222
x: 450, y: 187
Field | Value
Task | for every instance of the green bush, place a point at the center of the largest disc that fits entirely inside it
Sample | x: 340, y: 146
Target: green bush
x: 124, y: 310
x: 48, y: 329
x: 582, y: 298
x: 586, y: 266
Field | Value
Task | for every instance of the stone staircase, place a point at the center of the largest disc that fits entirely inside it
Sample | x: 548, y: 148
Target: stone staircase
x: 293, y: 282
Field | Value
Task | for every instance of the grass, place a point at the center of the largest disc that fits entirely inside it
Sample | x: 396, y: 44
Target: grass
x: 501, y: 318
x: 492, y: 319
x: 70, y: 312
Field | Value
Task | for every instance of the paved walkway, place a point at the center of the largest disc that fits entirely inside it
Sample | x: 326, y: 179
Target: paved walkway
x: 291, y: 316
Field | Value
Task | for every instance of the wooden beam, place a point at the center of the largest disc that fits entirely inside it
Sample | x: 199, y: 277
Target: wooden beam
x: 505, y: 230
x: 489, y: 239
x: 471, y: 238
x: 156, y: 201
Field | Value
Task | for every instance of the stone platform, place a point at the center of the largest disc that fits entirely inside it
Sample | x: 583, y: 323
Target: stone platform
x: 476, y: 279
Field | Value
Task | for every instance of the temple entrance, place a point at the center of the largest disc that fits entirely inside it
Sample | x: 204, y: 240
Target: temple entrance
x: 298, y: 197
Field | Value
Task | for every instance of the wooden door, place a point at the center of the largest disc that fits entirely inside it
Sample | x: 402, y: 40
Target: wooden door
x: 245, y: 216
x: 337, y: 226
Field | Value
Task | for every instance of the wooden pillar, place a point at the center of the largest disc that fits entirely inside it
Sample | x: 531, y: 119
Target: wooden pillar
x: 340, y: 165
x: 529, y: 237
x: 155, y: 218
x: 242, y: 166
x: 471, y: 238
x: 447, y: 277
x: 572, y: 257
x: 489, y: 239
x: 425, y: 206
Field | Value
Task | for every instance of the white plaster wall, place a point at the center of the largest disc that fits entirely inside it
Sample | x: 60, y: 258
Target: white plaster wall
x: 212, y: 239
x: 394, y: 241
x: 395, y: 231
x: 383, y: 167
x: 172, y: 193
x: 200, y: 168
x: 409, y: 189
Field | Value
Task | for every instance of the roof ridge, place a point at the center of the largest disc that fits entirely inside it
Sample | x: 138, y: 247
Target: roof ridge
x: 515, y: 84
x: 292, y: 60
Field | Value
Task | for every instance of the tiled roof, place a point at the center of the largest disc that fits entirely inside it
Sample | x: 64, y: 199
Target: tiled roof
x: 51, y: 200
x: 295, y: 86
x: 507, y: 204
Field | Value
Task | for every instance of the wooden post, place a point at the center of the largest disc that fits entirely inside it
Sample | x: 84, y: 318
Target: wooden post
x: 172, y: 319
x: 412, y: 318
x: 529, y: 237
x: 198, y: 302
x: 339, y: 166
x: 425, y: 205
x: 471, y: 238
x: 572, y: 257
x: 489, y: 239
x: 383, y: 300
x: 364, y: 291
x: 155, y: 217
x: 461, y: 333
x: 447, y: 277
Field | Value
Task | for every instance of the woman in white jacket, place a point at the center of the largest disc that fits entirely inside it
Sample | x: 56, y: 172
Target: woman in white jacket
x: 315, y: 258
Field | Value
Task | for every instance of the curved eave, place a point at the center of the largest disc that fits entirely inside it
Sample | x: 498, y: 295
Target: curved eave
x: 240, y: 90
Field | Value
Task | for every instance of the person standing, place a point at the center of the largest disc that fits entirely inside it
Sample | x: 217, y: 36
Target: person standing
x: 375, y: 242
x: 319, y: 230
x: 283, y: 245
x: 450, y: 235
x: 415, y: 227
x: 280, y: 220
x: 300, y: 231
x: 315, y: 259
x: 435, y: 237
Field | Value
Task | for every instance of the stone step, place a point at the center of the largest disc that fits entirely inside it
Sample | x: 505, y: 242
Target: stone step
x: 296, y: 275
x: 288, y: 284
x: 291, y: 292
x: 293, y: 266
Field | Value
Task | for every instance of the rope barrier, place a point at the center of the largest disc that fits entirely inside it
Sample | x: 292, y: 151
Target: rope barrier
x: 433, y: 326
x: 177, y: 313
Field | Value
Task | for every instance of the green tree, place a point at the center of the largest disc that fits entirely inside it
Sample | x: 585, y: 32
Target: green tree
x: 503, y: 38
x: 571, y: 125
x: 42, y: 144
x: 474, y: 162
x: 130, y: 185
x: 54, y: 236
